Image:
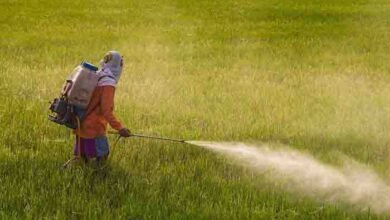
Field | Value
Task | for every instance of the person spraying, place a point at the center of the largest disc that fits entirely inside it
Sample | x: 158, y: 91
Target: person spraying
x: 92, y: 140
x: 86, y: 105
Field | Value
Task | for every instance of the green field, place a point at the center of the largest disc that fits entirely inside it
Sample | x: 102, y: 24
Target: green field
x: 311, y: 74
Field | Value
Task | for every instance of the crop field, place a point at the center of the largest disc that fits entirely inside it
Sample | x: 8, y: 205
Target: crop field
x: 310, y: 75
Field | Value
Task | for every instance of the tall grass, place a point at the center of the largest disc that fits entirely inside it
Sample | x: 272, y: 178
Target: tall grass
x: 312, y: 74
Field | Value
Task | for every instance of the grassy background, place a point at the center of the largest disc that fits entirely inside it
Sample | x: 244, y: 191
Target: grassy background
x: 312, y: 74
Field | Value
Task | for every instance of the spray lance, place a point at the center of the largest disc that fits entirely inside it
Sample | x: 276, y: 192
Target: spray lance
x: 151, y: 137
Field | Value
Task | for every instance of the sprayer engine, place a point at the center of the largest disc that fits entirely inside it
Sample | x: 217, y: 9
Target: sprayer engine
x: 63, y: 113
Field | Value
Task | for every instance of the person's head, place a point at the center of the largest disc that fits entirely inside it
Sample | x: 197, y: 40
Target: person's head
x: 113, y: 61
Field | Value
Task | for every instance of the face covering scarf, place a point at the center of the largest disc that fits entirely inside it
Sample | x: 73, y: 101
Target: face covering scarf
x: 111, y: 69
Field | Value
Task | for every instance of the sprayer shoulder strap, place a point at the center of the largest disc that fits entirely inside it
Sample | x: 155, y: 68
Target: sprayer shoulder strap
x: 106, y: 76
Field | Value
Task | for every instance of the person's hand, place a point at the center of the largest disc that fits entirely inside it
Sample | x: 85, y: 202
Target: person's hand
x: 124, y: 132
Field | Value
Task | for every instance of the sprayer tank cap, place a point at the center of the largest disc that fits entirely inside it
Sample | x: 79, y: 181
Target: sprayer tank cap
x: 89, y: 66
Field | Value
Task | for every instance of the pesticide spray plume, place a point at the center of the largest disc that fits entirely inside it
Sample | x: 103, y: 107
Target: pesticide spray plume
x: 353, y: 184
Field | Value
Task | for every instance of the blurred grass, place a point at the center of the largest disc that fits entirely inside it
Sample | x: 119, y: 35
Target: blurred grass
x: 311, y: 74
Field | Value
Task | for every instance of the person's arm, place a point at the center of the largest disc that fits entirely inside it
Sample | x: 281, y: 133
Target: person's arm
x: 107, y: 106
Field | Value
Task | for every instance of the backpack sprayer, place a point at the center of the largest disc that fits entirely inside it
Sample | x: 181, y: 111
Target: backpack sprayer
x: 70, y: 107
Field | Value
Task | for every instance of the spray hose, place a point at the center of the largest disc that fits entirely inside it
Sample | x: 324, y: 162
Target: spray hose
x: 78, y: 140
x: 78, y: 146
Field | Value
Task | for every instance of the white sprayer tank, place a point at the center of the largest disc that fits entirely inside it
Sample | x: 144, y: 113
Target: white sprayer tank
x: 81, y: 84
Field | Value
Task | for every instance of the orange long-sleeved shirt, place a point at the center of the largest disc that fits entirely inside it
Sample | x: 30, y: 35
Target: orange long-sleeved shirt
x: 99, y: 113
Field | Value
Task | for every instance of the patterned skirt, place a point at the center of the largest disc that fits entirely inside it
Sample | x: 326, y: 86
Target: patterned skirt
x: 92, y: 147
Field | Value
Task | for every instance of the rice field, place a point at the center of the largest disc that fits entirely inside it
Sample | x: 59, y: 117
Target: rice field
x: 309, y: 74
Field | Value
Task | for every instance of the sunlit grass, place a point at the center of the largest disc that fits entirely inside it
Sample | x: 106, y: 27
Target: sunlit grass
x: 311, y: 74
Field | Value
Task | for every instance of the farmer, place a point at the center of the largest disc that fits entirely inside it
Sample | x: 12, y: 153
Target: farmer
x: 92, y: 134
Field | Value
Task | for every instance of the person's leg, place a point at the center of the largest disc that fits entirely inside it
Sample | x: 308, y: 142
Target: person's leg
x: 102, y: 149
x: 77, y: 152
x: 88, y: 146
x: 85, y: 148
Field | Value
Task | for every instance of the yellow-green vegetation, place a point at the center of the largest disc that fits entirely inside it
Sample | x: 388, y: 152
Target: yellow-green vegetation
x: 309, y: 73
